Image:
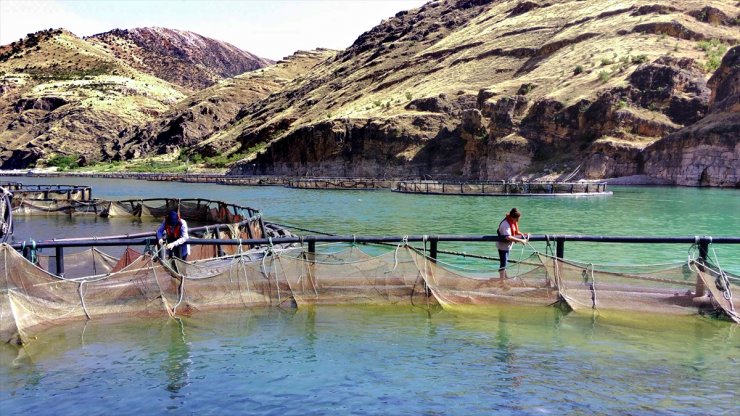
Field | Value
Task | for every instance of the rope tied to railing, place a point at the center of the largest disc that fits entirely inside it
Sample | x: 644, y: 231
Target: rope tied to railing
x: 403, y: 243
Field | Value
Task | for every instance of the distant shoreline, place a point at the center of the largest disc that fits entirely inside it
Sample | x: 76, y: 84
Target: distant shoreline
x: 222, y: 178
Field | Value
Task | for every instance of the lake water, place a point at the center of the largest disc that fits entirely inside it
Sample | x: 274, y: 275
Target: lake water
x: 397, y: 360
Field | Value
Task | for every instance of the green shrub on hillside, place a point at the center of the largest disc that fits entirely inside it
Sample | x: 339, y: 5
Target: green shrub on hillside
x: 64, y: 162
x: 714, y: 50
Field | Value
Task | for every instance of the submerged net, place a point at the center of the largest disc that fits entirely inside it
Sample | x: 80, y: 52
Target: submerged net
x: 141, y: 284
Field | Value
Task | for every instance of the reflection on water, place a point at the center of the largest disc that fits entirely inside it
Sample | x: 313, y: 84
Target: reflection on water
x: 177, y: 362
x: 372, y: 359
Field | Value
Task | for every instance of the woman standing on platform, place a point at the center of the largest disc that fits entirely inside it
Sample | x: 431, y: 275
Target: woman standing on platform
x: 509, y: 227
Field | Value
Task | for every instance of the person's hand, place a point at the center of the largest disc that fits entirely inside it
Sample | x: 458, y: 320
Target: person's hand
x: 160, y: 242
x: 169, y: 246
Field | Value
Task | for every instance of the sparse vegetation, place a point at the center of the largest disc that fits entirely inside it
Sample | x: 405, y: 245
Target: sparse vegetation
x: 604, y: 76
x: 578, y: 70
x: 639, y: 59
x: 714, y: 49
x: 409, y: 96
x: 64, y: 162
x: 526, y: 89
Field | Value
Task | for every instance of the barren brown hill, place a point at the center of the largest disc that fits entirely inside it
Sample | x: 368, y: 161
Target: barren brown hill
x: 60, y: 95
x: 486, y: 89
x: 180, y: 57
x: 194, y: 124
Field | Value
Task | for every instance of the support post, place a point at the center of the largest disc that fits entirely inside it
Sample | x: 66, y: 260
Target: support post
x: 219, y: 249
x: 262, y: 228
x: 703, y: 253
x: 433, y: 247
x: 559, y: 247
x: 59, y: 253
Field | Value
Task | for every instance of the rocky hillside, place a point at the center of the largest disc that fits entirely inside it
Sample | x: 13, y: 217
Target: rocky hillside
x: 194, y: 125
x: 60, y: 95
x: 182, y: 58
x: 487, y: 89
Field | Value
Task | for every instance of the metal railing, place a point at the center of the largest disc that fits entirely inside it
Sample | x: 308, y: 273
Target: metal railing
x: 148, y: 239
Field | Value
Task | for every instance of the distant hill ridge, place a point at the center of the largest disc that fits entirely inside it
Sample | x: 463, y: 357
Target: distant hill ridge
x: 177, y: 56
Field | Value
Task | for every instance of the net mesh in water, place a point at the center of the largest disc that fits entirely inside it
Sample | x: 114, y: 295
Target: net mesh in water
x: 142, y: 284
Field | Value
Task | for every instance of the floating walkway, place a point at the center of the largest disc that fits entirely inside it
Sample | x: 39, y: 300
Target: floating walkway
x: 502, y: 188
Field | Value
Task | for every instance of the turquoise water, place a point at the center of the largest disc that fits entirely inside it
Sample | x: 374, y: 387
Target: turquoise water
x: 400, y: 360
x: 639, y: 211
x: 363, y: 360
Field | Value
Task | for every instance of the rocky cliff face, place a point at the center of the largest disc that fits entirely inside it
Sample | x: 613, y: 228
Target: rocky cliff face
x: 504, y: 89
x: 183, y: 58
x: 706, y: 153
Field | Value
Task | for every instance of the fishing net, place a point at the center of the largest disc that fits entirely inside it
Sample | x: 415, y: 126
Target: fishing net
x: 294, y: 277
x: 84, y: 263
x: 199, y: 210
x: 59, y: 192
x: 33, y: 298
x: 30, y: 207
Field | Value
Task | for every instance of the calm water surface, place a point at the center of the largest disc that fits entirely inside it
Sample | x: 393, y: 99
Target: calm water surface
x: 400, y: 360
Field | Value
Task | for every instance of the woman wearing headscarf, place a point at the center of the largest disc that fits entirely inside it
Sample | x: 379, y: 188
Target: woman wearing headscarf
x: 172, y: 234
x: 509, y: 228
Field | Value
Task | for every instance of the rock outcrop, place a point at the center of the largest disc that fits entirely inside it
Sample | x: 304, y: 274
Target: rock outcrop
x: 706, y: 153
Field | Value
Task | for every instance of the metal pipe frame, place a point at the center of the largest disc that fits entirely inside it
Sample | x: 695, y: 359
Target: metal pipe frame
x: 699, y: 240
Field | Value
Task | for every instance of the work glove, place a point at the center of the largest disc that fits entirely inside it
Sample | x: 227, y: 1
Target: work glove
x: 160, y: 242
x: 169, y: 246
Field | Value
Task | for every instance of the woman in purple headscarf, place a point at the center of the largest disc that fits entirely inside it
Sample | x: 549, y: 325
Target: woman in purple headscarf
x: 173, y: 233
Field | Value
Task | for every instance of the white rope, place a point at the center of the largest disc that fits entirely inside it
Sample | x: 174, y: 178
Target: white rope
x: 82, y: 299
x: 593, y: 286
x: 404, y: 242
x: 727, y: 292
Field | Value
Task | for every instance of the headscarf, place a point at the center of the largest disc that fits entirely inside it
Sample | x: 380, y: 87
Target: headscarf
x: 173, y: 218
